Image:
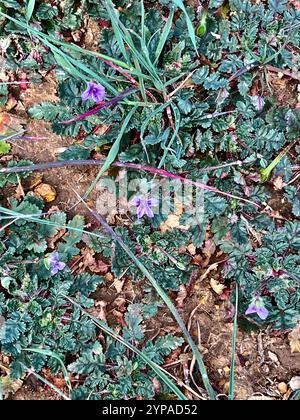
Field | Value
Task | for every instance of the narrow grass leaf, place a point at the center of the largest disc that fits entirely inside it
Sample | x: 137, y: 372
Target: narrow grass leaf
x: 156, y: 368
x: 56, y: 357
x: 189, y: 23
x: 167, y: 301
x: 113, y: 153
x: 164, y: 36
x: 235, y: 327
x: 29, y: 9
x: 46, y: 382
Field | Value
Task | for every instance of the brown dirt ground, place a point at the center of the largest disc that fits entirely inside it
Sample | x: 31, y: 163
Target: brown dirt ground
x: 65, y: 180
x: 264, y: 358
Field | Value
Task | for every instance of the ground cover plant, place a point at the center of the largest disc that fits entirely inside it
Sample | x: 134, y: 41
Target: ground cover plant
x: 195, y: 107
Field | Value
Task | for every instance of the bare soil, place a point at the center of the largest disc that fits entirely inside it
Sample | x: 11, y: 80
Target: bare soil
x: 264, y: 358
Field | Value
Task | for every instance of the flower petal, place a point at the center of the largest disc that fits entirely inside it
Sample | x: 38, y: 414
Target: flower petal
x: 98, y: 93
x: 148, y: 211
x: 263, y: 313
x: 60, y: 265
x: 136, y: 201
x: 86, y: 95
x: 251, y: 310
x: 140, y: 211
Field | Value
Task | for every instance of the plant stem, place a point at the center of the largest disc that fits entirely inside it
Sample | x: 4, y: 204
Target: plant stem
x: 95, y: 162
x: 164, y: 297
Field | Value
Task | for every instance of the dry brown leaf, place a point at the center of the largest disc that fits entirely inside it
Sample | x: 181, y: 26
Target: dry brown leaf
x: 46, y: 191
x: 278, y: 183
x: 101, y: 310
x: 52, y: 241
x: 19, y: 192
x: 37, y: 180
x: 118, y: 285
x: 172, y: 222
x: 294, y: 339
x: 191, y: 249
x: 209, y: 248
x: 181, y: 296
x: 10, y: 386
x: 217, y: 287
x: 208, y: 270
x: 87, y: 259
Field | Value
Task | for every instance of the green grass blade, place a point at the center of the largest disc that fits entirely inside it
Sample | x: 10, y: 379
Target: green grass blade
x: 143, y: 21
x: 115, y: 21
x: 65, y: 64
x: 156, y: 368
x: 56, y: 357
x: 235, y: 327
x: 73, y: 47
x: 189, y: 23
x: 167, y: 301
x: 113, y: 153
x: 147, y: 274
x: 29, y: 9
x: 164, y: 37
x: 69, y: 64
x: 265, y: 173
x: 46, y: 382
x: 175, y: 134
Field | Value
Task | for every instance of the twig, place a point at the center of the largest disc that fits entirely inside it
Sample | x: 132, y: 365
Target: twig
x: 283, y: 71
x: 181, y: 85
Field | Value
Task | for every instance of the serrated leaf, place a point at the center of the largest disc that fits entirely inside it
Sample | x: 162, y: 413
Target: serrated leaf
x: 4, y: 147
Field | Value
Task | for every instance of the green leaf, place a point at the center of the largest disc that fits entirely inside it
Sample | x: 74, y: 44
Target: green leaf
x: 191, y: 30
x: 113, y: 153
x: 278, y: 5
x: 29, y: 9
x: 47, y: 111
x: 4, y: 147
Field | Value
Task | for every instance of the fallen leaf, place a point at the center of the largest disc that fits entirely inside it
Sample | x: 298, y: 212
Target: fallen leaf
x: 118, y: 285
x: 191, y: 249
x: 209, y: 248
x: 19, y: 192
x: 52, y: 241
x: 217, y: 287
x: 46, y: 191
x: 273, y: 357
x: 278, y: 183
x: 294, y: 339
x: 10, y: 386
x: 172, y: 222
x: 181, y: 296
x: 37, y: 180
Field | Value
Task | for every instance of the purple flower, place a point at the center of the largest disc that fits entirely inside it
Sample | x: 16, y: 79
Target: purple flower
x: 94, y: 91
x: 55, y: 264
x: 257, y: 307
x: 143, y: 206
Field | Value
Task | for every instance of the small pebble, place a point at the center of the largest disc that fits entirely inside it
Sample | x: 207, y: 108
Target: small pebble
x: 282, y: 388
x: 295, y: 383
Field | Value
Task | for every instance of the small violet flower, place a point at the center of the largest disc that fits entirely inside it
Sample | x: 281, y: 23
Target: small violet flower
x: 257, y: 307
x: 143, y: 206
x: 55, y: 264
x: 94, y: 91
